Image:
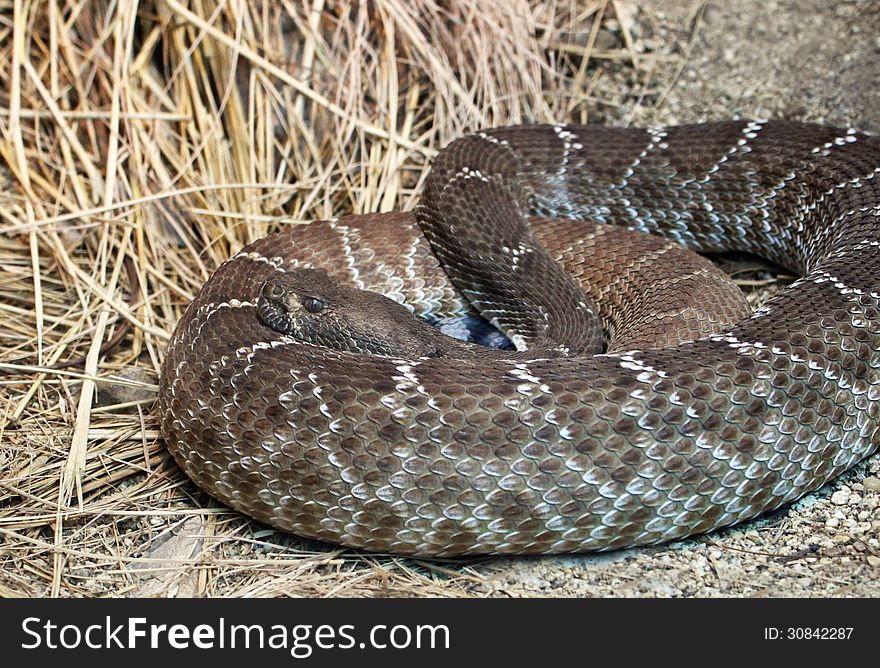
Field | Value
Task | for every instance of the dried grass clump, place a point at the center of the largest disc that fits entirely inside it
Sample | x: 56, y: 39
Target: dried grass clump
x: 141, y: 144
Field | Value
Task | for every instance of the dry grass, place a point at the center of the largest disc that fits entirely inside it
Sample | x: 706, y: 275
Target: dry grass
x: 162, y: 136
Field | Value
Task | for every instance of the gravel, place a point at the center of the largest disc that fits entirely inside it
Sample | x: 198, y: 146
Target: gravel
x: 814, y: 61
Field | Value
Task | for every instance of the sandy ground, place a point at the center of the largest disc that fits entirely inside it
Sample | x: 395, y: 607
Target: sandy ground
x: 817, y: 61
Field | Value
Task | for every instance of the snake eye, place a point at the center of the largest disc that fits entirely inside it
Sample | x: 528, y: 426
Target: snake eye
x: 313, y: 305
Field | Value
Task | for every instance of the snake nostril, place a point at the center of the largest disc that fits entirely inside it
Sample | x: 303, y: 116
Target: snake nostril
x: 272, y: 291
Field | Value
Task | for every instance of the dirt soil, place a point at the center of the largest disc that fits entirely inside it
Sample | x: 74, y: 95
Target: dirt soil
x: 816, y: 61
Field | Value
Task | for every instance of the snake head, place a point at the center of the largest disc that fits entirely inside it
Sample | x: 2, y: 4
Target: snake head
x: 309, y: 305
x: 295, y: 301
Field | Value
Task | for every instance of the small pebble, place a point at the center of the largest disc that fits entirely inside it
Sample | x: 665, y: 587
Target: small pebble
x: 871, y: 484
x: 840, y: 497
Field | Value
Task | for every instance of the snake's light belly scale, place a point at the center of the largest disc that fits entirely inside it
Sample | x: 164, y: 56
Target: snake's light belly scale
x: 564, y: 452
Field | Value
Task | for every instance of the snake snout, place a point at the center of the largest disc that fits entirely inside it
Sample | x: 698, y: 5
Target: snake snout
x: 274, y: 306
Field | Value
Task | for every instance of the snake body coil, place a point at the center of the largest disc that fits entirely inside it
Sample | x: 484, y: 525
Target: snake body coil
x: 564, y: 449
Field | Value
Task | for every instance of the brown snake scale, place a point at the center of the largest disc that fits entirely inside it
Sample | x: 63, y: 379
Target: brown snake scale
x: 556, y: 449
